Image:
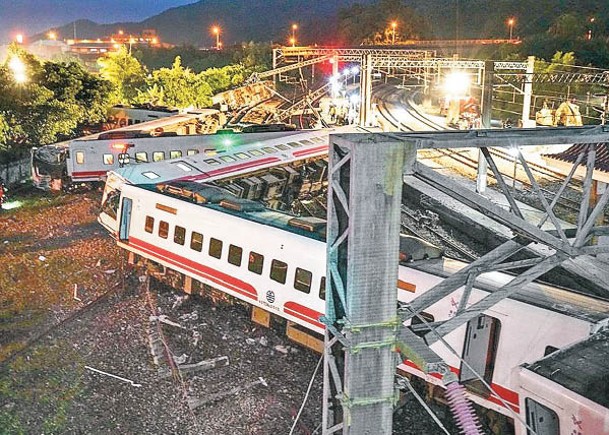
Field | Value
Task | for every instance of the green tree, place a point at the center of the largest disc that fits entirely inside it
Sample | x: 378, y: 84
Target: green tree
x: 177, y: 87
x: 126, y: 74
x: 50, y: 101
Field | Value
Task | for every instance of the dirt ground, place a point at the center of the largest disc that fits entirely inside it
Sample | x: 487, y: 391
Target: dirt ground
x: 70, y: 307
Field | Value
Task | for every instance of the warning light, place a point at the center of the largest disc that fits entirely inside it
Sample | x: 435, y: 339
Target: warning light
x: 122, y: 146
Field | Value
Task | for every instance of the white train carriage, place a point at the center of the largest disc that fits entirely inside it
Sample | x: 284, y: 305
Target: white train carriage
x: 276, y: 263
x: 243, y: 153
x: 566, y: 392
x: 88, y: 159
x: 91, y: 160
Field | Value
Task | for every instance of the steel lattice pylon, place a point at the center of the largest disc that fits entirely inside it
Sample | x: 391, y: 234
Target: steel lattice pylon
x: 363, y: 325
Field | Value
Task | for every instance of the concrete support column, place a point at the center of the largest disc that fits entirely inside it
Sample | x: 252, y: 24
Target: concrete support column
x: 528, y: 92
x: 366, y: 116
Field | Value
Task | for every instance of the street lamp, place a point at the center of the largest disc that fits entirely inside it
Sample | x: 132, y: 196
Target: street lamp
x: 394, y: 25
x: 511, y: 22
x: 19, y: 38
x: 17, y: 67
x: 591, y: 20
x: 52, y: 35
x: 294, y: 28
x: 216, y: 31
x: 293, y: 41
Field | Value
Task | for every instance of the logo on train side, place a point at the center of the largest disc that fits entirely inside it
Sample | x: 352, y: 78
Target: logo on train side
x: 270, y: 296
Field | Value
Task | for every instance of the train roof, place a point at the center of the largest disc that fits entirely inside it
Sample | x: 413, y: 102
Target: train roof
x: 566, y: 301
x: 573, y: 303
x: 582, y: 367
x: 244, y: 152
x: 163, y: 122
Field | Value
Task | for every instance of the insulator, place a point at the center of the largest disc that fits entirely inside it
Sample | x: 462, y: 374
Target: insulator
x: 462, y: 410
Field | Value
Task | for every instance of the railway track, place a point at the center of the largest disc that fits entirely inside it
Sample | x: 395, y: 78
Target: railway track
x: 568, y: 204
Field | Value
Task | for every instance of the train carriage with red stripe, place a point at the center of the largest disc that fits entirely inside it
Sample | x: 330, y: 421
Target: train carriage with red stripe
x: 276, y: 263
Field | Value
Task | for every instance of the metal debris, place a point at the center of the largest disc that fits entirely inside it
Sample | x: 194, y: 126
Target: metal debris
x: 76, y: 298
x: 129, y: 381
x: 164, y: 319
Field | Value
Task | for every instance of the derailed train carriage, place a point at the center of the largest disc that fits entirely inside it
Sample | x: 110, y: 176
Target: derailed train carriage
x: 88, y: 159
x: 207, y: 240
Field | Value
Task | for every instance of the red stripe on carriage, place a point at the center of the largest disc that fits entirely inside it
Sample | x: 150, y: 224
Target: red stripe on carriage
x: 86, y: 174
x: 232, y: 168
x: 303, y: 313
x: 306, y: 152
x: 213, y: 275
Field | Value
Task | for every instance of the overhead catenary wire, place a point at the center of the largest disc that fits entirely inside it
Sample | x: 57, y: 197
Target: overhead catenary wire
x: 304, y: 400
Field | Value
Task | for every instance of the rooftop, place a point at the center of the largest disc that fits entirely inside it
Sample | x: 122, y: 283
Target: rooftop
x: 582, y: 368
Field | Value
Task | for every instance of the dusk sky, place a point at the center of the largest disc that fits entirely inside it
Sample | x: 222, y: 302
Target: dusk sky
x: 32, y: 16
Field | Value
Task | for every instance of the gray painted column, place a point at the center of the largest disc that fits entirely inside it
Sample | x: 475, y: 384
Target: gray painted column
x: 363, y: 246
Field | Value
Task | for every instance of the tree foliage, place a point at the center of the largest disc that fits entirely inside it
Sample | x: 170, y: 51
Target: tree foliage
x: 126, y: 74
x: 53, y: 101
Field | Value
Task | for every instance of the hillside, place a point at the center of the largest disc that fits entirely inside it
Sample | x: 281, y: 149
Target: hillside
x: 241, y: 20
x: 270, y: 20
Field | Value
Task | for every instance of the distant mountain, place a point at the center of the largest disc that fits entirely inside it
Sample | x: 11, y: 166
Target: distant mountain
x: 270, y: 20
x: 240, y: 20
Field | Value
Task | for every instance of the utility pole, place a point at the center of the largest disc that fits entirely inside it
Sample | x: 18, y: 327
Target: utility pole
x: 528, y: 91
x: 366, y: 117
x: 487, y: 100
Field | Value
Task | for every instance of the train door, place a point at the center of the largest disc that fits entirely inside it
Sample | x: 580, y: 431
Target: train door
x: 479, y: 352
x: 123, y: 233
x: 541, y: 419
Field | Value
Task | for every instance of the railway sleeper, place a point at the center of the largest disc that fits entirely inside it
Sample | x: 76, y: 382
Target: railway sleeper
x: 190, y: 286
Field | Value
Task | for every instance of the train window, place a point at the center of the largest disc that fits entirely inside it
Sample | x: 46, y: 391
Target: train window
x: 151, y: 175
x: 294, y: 144
x: 211, y: 162
x: 234, y: 255
x: 108, y: 159
x: 279, y: 271
x: 149, y: 226
x: 158, y: 156
x: 174, y: 154
x: 110, y: 206
x: 80, y: 157
x: 184, y: 166
x: 549, y: 349
x: 256, y: 153
x: 242, y: 156
x: 196, y: 241
x: 282, y: 147
x: 215, y: 248
x: 163, y: 229
x: 269, y: 150
x: 318, y: 139
x: 302, y: 280
x: 256, y: 261
x: 228, y: 159
x: 540, y: 418
x: 306, y: 142
x: 141, y: 157
x: 322, y: 288
x: 192, y: 152
x: 179, y: 235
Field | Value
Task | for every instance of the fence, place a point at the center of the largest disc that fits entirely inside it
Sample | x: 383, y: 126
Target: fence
x: 15, y: 172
